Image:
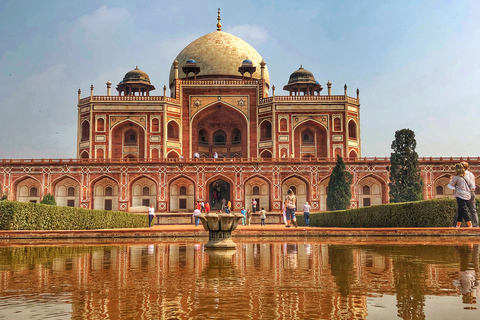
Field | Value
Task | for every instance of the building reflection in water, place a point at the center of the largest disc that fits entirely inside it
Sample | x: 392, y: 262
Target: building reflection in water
x: 274, y: 279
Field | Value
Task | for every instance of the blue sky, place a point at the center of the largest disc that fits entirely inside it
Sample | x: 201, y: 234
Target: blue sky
x: 415, y: 62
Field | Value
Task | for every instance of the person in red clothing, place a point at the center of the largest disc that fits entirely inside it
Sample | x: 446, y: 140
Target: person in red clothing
x: 207, y: 207
x: 199, y: 206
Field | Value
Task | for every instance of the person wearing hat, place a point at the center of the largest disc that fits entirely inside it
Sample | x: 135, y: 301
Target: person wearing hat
x: 306, y: 214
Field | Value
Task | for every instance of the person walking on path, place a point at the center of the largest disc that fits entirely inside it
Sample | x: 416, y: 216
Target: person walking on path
x: 263, y: 216
x: 151, y: 215
x: 196, y: 213
x: 462, y: 189
x: 244, y: 218
x: 284, y: 214
x: 207, y: 207
x: 290, y: 204
x: 470, y: 203
x: 249, y: 217
x: 306, y: 214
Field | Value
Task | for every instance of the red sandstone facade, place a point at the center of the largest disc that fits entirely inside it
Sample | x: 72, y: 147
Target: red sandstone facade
x: 135, y: 149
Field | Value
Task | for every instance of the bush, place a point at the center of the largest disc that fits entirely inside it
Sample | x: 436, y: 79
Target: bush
x: 417, y: 214
x: 32, y: 216
x: 49, y: 199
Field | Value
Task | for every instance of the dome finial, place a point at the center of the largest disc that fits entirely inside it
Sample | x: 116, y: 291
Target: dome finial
x: 219, y: 24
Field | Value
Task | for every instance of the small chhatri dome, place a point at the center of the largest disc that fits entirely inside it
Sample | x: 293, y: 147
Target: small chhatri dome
x: 136, y: 75
x: 191, y: 61
x: 303, y: 82
x: 135, y: 81
x: 301, y: 75
x: 247, y: 62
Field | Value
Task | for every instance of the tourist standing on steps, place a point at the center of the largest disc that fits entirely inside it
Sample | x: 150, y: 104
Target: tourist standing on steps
x: 263, y: 216
x: 254, y: 205
x: 196, y: 213
x: 215, y: 155
x: 290, y: 204
x: 471, y: 203
x: 202, y: 204
x: 249, y: 217
x: 244, y: 218
x: 207, y: 207
x: 306, y: 214
x: 229, y: 205
x: 462, y: 188
x: 151, y: 215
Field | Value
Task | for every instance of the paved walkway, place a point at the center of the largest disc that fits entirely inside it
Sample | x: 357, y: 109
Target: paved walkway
x: 276, y: 230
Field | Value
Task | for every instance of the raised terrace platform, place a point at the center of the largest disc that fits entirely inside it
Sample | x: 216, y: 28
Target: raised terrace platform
x: 253, y: 231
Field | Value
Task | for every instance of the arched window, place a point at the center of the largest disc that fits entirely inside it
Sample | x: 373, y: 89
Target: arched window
x: 71, y: 192
x: 100, y: 153
x: 146, y: 191
x: 352, y: 130
x: 84, y: 155
x: 33, y: 192
x: 203, y: 136
x: 352, y: 155
x: 283, y: 124
x: 338, y: 152
x: 439, y: 190
x: 108, y: 191
x: 101, y: 124
x: 220, y: 137
x: 307, y: 137
x: 173, y: 132
x: 85, y: 130
x: 183, y: 191
x: 266, y: 130
x: 256, y: 190
x: 155, y: 154
x: 236, y: 136
x: 131, y: 138
x: 294, y: 189
x: 337, y: 124
x: 155, y: 125
x: 366, y: 190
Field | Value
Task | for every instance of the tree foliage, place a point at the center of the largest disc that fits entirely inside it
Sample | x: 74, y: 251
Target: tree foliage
x: 49, y: 199
x: 405, y: 181
x: 339, y: 190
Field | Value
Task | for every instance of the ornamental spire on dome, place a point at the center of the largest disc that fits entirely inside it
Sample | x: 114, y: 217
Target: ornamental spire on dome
x: 219, y: 24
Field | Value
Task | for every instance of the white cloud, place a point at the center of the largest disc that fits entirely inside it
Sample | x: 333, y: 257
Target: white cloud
x: 253, y: 34
x: 103, y: 20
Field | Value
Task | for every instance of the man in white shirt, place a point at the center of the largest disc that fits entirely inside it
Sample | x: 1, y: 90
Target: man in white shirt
x: 470, y: 203
x: 196, y: 213
x: 306, y: 213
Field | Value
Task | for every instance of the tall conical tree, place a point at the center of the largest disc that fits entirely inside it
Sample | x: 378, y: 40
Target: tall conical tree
x: 405, y: 181
x: 339, y: 190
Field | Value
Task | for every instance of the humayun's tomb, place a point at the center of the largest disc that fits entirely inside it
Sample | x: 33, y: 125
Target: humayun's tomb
x: 135, y: 148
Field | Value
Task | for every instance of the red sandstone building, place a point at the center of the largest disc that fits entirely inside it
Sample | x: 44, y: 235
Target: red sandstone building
x: 136, y: 148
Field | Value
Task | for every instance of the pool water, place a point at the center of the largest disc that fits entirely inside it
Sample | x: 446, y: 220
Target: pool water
x: 269, y: 278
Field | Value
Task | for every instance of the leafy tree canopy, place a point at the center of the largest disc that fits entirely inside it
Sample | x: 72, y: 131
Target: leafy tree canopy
x: 405, y: 181
x: 339, y: 187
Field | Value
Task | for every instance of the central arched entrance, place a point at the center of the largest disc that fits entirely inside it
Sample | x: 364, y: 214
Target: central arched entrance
x: 218, y: 190
x: 221, y: 129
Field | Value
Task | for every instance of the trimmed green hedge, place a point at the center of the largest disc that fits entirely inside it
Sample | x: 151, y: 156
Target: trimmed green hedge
x: 31, y: 216
x: 428, y: 213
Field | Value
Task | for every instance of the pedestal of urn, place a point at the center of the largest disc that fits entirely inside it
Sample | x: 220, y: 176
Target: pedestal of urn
x: 220, y: 227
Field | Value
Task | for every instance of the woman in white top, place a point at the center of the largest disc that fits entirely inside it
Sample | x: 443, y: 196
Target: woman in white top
x: 462, y: 192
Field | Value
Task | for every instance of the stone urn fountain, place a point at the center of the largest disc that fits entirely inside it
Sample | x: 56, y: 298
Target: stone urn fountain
x: 220, y: 227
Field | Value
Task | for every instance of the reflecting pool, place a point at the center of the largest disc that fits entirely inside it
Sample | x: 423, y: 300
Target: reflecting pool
x: 268, y: 278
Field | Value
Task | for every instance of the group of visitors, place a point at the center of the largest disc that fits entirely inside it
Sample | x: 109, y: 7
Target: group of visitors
x: 464, y: 185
